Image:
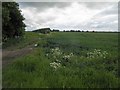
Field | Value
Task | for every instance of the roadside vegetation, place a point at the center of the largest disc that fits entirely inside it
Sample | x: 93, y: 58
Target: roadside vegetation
x: 65, y: 60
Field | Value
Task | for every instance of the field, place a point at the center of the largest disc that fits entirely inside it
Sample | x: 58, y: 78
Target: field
x: 64, y: 60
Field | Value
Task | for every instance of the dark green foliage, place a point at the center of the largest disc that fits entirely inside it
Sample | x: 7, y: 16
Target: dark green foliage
x: 54, y: 30
x: 12, y: 21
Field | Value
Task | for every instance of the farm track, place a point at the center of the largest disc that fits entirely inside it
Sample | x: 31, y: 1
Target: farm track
x: 8, y: 55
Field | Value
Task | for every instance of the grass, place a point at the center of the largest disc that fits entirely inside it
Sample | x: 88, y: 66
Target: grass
x: 17, y: 43
x: 66, y: 60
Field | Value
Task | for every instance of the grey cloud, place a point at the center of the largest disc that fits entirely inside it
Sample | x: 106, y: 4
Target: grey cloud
x: 105, y: 21
x: 45, y: 20
x: 97, y: 22
x: 97, y: 5
x: 109, y: 7
x: 111, y: 10
x: 105, y: 25
x: 44, y: 5
x: 107, y: 18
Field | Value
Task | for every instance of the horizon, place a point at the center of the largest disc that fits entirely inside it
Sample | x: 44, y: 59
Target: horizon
x: 78, y: 30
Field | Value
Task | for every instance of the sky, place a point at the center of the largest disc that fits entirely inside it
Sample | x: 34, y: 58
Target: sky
x: 97, y: 16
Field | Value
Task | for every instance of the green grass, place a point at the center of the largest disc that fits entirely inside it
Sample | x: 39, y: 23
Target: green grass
x: 87, y: 60
x: 30, y: 38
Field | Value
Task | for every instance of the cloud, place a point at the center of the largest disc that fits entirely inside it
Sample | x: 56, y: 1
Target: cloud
x: 107, y: 19
x: 44, y: 5
x: 98, y: 5
x: 70, y: 15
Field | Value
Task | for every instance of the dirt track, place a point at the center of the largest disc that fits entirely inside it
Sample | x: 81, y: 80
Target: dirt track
x: 7, y: 56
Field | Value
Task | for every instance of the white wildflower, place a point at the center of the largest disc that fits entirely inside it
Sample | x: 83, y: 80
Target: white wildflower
x: 71, y: 54
x: 55, y: 65
x: 57, y: 60
x: 36, y: 45
x: 66, y: 57
x: 47, y: 54
x: 97, y: 53
x: 56, y: 51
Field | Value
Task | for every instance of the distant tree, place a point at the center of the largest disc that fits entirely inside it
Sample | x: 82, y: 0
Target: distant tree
x: 54, y: 30
x: 12, y: 21
x: 72, y: 31
x: 82, y: 31
x: 79, y: 31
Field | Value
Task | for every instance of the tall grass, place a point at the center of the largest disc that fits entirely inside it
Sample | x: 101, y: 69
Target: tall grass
x: 93, y: 64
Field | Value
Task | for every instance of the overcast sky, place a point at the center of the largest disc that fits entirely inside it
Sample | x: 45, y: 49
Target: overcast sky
x: 98, y: 16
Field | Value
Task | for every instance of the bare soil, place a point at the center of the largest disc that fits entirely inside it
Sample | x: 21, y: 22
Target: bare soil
x: 8, y: 56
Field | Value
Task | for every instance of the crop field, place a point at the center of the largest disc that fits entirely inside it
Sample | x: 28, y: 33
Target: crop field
x: 64, y: 60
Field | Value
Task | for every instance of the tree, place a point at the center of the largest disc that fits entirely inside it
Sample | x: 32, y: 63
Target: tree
x: 12, y: 21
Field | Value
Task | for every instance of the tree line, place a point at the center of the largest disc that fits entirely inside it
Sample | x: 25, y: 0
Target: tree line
x: 12, y: 21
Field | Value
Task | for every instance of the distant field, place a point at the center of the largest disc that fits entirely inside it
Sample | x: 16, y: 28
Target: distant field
x: 64, y: 60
